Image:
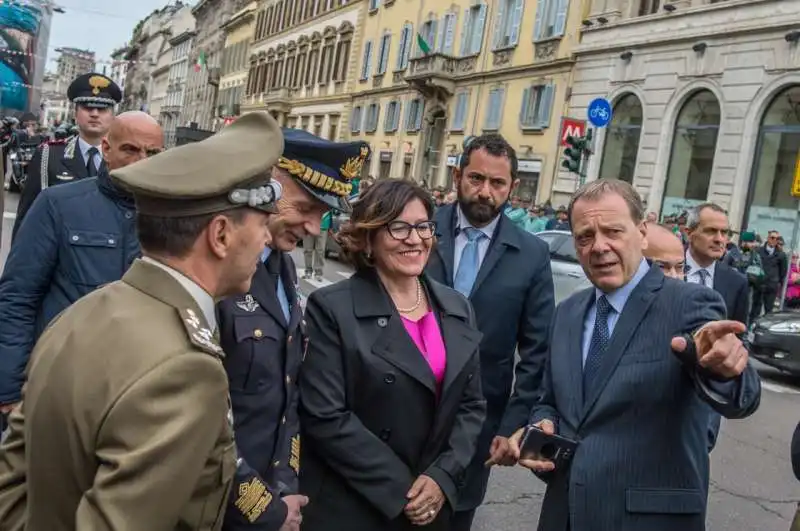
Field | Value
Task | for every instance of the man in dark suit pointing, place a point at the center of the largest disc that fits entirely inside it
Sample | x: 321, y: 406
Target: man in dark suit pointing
x: 616, y: 384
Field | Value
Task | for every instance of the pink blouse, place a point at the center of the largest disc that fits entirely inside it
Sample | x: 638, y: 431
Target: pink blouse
x: 428, y: 338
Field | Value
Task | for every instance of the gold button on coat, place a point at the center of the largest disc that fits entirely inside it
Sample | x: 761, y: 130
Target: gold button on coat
x: 257, y: 333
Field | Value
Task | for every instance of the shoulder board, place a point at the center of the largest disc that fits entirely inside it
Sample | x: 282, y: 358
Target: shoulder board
x: 199, y: 336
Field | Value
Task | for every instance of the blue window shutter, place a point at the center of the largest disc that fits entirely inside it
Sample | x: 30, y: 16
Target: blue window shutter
x: 410, y: 116
x: 432, y: 42
x: 541, y: 9
x: 498, y: 34
x: 420, y: 112
x: 516, y: 20
x: 546, y: 105
x: 477, y: 35
x: 449, y: 33
x: 561, y: 17
x: 440, y: 35
x: 365, y: 66
x: 523, y: 110
x: 465, y: 44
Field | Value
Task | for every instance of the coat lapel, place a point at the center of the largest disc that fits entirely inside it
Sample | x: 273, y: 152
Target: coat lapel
x: 392, y: 343
x: 445, y: 245
x: 633, y: 314
x: 575, y: 351
x: 504, y: 237
x: 460, y: 339
x: 73, y: 160
x: 264, y: 290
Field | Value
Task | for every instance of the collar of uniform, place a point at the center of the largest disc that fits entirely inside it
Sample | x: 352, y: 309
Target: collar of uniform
x: 85, y: 147
x: 200, y: 296
x: 462, y: 223
x: 265, y: 254
x: 694, y: 267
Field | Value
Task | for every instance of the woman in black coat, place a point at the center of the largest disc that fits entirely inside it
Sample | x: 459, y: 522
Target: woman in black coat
x: 390, y: 399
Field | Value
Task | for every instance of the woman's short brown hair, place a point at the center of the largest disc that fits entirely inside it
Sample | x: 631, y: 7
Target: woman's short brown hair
x: 380, y: 205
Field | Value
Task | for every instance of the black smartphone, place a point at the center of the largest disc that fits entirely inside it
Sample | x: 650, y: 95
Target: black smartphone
x: 537, y: 444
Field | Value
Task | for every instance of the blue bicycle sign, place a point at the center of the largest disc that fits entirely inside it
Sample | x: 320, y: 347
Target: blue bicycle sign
x: 599, y: 112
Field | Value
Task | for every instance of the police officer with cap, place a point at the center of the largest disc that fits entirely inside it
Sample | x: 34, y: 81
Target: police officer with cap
x: 125, y: 419
x: 63, y: 161
x: 263, y: 338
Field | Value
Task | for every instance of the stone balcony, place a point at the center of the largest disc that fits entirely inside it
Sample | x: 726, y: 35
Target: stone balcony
x: 433, y: 75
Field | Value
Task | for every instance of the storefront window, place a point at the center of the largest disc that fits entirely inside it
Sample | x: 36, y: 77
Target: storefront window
x: 622, y: 140
x: 771, y: 205
x: 692, y: 158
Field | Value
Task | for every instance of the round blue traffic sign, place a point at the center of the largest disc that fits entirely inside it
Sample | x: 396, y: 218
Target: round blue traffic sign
x: 599, y: 112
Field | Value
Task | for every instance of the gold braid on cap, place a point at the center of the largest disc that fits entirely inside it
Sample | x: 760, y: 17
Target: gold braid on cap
x: 352, y: 168
x: 315, y: 178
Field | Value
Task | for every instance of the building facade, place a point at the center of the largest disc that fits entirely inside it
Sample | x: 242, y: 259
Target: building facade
x: 302, y: 63
x: 234, y: 65
x: 119, y: 66
x: 172, y: 112
x: 202, y: 87
x: 706, y: 103
x: 433, y: 74
x: 71, y: 63
x: 54, y: 103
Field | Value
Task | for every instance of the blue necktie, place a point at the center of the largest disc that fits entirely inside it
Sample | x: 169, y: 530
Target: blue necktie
x: 470, y: 262
x: 597, y: 345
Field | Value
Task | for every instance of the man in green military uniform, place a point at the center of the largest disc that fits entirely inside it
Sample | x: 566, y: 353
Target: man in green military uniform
x: 62, y: 161
x: 125, y: 420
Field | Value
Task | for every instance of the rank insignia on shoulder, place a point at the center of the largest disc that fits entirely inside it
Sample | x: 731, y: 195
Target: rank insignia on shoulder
x: 199, y: 336
x: 294, y: 460
x: 253, y: 500
x: 248, y: 304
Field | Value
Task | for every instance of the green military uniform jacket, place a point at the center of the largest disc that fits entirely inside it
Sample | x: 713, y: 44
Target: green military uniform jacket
x: 125, y: 422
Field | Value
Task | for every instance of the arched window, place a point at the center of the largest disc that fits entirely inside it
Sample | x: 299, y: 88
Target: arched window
x: 622, y: 140
x: 770, y: 203
x: 692, y: 157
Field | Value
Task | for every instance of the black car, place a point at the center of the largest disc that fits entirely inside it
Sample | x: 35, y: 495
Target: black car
x: 775, y: 341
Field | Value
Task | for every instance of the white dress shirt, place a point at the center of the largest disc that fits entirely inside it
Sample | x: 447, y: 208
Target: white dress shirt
x: 694, y: 275
x: 85, y: 147
x: 461, y: 238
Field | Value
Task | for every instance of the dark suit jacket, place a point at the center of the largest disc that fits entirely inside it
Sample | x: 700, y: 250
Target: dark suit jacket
x: 65, y: 164
x: 369, y: 412
x: 263, y: 354
x: 735, y: 291
x: 642, y: 463
x: 513, y: 302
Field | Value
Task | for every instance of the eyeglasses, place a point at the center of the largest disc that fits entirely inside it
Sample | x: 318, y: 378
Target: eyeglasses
x: 400, y: 230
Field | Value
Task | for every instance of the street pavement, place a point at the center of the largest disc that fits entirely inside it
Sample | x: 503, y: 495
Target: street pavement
x: 752, y: 484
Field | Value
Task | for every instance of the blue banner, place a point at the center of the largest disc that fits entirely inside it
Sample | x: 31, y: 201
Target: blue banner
x: 19, y: 31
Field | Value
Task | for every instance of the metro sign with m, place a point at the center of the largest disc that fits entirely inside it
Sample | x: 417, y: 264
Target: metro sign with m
x: 571, y: 127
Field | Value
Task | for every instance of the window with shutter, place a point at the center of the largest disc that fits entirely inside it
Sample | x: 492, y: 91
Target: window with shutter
x: 405, y: 47
x: 373, y: 4
x: 551, y: 19
x: 494, y: 111
x: 366, y: 62
x: 460, y: 111
x: 383, y: 59
x: 507, y: 23
x: 355, y: 120
x: 449, y: 33
x: 537, y: 105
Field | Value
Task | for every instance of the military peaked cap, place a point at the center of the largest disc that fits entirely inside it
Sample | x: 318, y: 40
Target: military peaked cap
x: 324, y: 168
x: 94, y: 90
x: 227, y: 170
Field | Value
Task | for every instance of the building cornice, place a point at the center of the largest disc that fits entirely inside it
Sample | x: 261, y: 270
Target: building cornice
x: 185, y: 36
x: 239, y: 19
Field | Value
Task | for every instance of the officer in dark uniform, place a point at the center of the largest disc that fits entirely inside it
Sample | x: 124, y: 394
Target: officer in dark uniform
x: 263, y: 338
x: 63, y: 161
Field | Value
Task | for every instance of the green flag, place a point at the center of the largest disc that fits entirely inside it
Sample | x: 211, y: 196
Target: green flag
x: 423, y: 44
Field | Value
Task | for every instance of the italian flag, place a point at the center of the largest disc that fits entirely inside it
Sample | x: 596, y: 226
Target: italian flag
x: 423, y: 44
x: 201, y: 61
